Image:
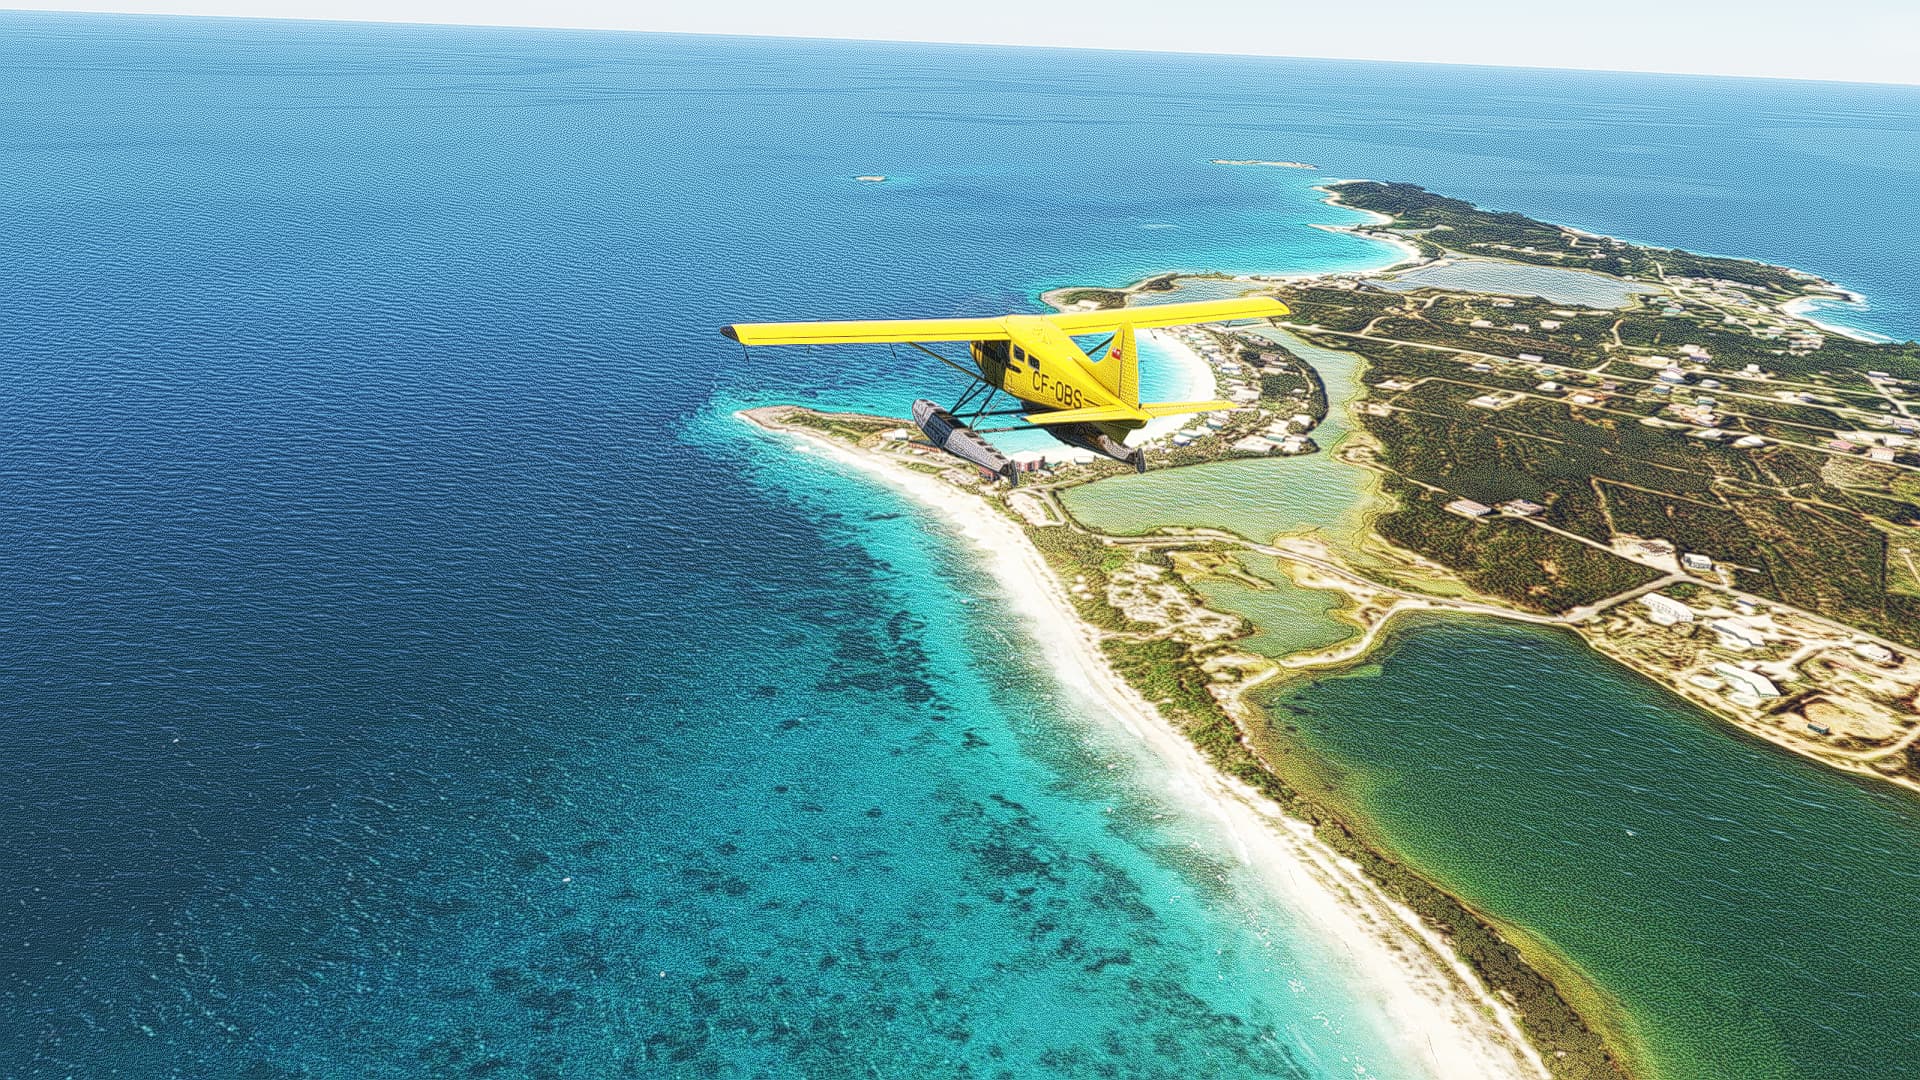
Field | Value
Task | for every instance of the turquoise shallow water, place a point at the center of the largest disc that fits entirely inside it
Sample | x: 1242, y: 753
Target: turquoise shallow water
x: 415, y: 670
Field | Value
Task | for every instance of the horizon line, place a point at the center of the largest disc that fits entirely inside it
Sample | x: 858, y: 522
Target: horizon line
x: 573, y: 28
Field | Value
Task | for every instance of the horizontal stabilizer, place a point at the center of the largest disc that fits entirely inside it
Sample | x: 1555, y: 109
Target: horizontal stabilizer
x: 1096, y: 415
x: 1156, y: 315
x: 1176, y: 408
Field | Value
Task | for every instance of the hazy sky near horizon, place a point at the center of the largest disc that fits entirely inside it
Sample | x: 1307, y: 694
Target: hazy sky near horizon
x: 1855, y: 41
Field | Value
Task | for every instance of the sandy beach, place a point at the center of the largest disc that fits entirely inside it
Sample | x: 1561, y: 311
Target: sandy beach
x: 1801, y: 308
x: 1409, y: 251
x: 1195, y: 383
x: 1443, y: 1014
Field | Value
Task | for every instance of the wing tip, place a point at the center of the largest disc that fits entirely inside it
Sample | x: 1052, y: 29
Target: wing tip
x: 731, y: 333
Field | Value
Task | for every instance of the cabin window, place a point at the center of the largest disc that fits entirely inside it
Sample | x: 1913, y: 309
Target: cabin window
x: 1019, y: 356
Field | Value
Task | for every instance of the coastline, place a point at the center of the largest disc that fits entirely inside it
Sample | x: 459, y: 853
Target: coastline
x: 1800, y: 307
x: 1410, y: 253
x: 1539, y: 995
x: 1464, y: 1027
x: 1197, y: 383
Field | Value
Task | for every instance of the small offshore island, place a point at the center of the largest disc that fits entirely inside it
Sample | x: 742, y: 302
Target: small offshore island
x: 1678, y: 466
x: 1268, y: 164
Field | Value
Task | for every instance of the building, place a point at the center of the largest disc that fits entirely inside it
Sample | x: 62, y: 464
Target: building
x: 1752, y: 682
x: 1695, y: 561
x: 1467, y: 508
x: 1867, y: 650
x: 1665, y: 610
x: 1522, y: 507
x: 1880, y: 453
x: 1254, y: 444
x: 1737, y: 637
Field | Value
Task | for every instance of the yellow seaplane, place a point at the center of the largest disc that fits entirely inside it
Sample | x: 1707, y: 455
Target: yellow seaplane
x: 1085, y: 398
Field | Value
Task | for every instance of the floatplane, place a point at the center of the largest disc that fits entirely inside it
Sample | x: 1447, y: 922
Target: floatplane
x: 1085, y: 398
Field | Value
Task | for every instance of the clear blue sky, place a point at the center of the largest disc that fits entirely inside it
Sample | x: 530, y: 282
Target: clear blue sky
x: 1853, y: 40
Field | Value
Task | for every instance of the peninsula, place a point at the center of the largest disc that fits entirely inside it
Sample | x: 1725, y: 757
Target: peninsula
x: 1651, y: 448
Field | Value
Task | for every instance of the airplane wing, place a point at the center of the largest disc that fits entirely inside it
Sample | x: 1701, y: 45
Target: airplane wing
x: 867, y: 331
x: 1093, y: 414
x: 1152, y: 315
x: 1181, y: 408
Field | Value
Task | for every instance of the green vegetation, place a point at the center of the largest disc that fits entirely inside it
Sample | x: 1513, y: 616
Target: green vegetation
x: 1283, y: 375
x: 1595, y: 425
x: 1772, y: 513
x: 1465, y: 228
x: 1527, y: 566
x: 851, y: 427
x: 1100, y: 298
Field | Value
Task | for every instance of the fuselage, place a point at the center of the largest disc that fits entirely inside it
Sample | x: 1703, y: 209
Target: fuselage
x: 1043, y: 367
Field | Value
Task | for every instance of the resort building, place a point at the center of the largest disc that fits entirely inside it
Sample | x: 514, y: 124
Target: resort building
x: 1867, y: 650
x: 1467, y: 508
x: 1752, y: 682
x: 1665, y: 610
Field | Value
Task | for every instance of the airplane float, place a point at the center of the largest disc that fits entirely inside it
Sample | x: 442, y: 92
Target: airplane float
x: 1084, y: 402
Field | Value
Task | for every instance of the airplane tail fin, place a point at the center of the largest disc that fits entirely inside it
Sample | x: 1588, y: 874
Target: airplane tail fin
x: 1119, y: 370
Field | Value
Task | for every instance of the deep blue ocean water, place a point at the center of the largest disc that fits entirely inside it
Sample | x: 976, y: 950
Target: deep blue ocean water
x: 412, y: 668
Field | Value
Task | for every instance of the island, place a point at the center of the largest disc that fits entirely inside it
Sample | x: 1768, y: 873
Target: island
x: 1267, y: 164
x: 1654, y: 449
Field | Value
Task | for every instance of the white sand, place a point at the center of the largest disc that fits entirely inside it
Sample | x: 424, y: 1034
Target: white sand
x: 1409, y: 251
x: 1800, y: 307
x: 1196, y: 384
x: 1443, y: 1015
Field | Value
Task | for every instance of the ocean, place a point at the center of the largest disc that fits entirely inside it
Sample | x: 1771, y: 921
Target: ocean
x: 413, y: 668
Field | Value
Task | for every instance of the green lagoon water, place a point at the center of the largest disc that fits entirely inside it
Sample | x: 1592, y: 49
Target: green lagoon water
x: 1256, y: 498
x: 1754, y: 915
x: 1288, y: 618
